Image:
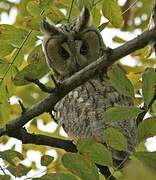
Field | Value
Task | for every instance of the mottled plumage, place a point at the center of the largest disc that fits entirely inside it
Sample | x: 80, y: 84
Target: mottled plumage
x: 68, y: 49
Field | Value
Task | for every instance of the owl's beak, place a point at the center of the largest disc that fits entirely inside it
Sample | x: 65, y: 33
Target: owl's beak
x: 75, y: 57
x: 78, y: 67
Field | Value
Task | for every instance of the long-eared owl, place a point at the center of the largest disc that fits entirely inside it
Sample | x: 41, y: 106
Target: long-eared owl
x: 68, y: 48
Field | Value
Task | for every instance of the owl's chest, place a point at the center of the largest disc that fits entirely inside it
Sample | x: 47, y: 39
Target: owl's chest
x: 81, y: 111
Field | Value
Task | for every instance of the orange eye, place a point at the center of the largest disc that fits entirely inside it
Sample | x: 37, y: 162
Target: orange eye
x: 63, y: 53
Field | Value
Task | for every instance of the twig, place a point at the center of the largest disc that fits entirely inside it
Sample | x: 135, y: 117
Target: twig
x: 39, y: 139
x: 105, y: 171
x: 40, y: 85
x: 55, y: 82
x: 118, y: 167
x: 22, y: 106
x: 52, y: 116
x: 71, y: 7
x: 141, y: 116
x: 130, y: 7
x: 106, y: 23
x: 2, y: 170
x: 36, y: 175
x: 95, y: 3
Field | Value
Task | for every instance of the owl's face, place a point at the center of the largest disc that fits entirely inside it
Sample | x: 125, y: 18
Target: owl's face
x: 71, y: 46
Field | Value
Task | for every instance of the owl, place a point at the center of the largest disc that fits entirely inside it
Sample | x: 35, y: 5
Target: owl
x: 68, y: 48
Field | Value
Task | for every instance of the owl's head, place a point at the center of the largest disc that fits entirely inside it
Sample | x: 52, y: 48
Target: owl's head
x: 72, y: 46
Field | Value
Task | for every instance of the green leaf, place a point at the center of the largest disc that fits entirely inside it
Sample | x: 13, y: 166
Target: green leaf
x: 148, y: 86
x: 3, y: 67
x: 57, y: 176
x: 11, y: 34
x: 120, y: 81
x: 33, y: 23
x: 115, y: 139
x: 5, y: 177
x: 46, y: 4
x: 112, y: 12
x: 96, y: 151
x: 80, y: 166
x: 3, y: 93
x: 55, y: 14
x: 36, y: 56
x: 5, y: 109
x: 19, y: 59
x: 83, y: 143
x: 10, y: 156
x: 154, y: 109
x: 46, y: 160
x: 33, y: 9
x: 147, y: 158
x: 120, y: 113
x: 103, y: 26
x: 19, y: 170
x: 86, y: 3
x: 32, y: 71
x: 146, y: 129
x: 31, y: 40
x: 4, y: 105
x: 5, y: 48
x: 96, y: 16
x: 118, y: 39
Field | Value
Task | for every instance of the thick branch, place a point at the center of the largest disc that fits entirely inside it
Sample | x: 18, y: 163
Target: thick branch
x: 39, y: 139
x: 79, y: 78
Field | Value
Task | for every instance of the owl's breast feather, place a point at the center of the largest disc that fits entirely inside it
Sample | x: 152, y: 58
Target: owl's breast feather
x: 81, y: 111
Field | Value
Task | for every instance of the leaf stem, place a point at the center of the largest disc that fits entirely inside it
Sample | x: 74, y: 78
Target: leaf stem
x: 141, y: 116
x: 2, y: 170
x: 14, y: 59
x: 71, y: 7
x: 130, y: 7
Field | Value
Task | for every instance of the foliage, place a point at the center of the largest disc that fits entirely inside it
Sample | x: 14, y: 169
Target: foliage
x: 21, y: 55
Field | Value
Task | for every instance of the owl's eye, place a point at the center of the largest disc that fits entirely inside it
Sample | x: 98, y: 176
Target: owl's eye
x: 84, y: 49
x: 63, y: 53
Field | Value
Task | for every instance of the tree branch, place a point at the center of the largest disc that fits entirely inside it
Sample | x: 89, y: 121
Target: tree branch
x: 141, y: 116
x: 47, y: 104
x: 39, y: 139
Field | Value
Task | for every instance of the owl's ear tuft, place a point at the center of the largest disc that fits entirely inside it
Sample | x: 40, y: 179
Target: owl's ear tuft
x: 49, y: 28
x: 84, y: 19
